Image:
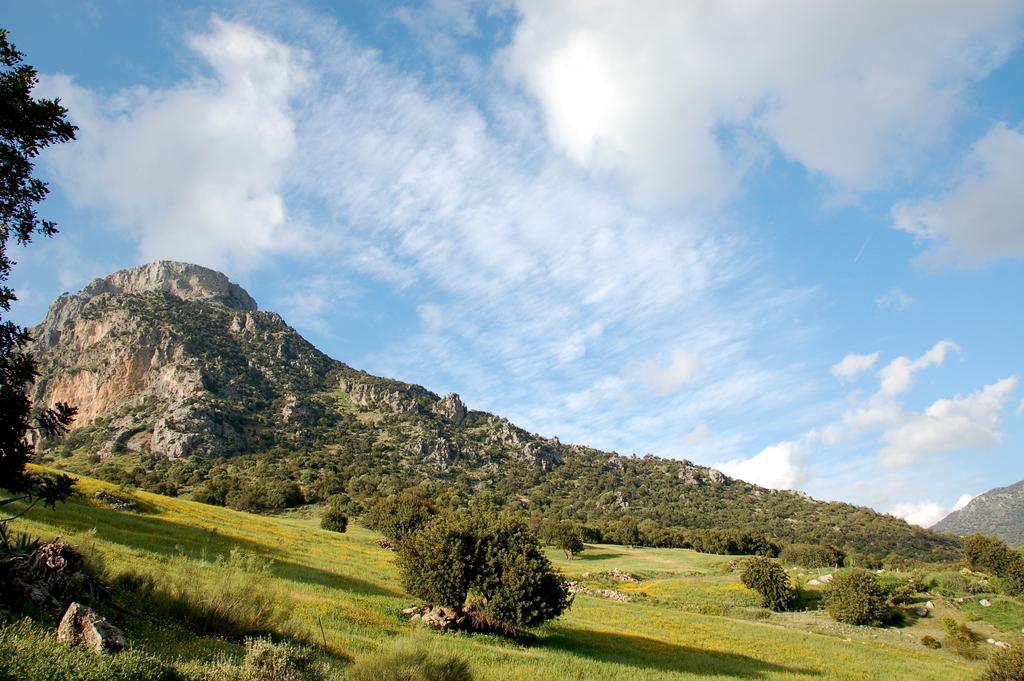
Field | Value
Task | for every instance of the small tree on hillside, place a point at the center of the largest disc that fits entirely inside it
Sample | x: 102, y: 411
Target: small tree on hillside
x: 569, y: 538
x: 399, y: 515
x: 27, y: 126
x: 768, y: 578
x: 484, y: 563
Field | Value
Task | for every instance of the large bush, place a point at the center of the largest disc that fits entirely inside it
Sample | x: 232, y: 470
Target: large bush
x: 856, y: 597
x: 1005, y: 665
x: 495, y: 562
x: 334, y: 519
x: 766, y: 577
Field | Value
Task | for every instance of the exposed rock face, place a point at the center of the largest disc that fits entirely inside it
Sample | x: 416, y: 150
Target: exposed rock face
x: 82, y: 626
x: 379, y: 396
x: 998, y: 512
x: 169, y: 359
x: 451, y: 408
x: 181, y: 280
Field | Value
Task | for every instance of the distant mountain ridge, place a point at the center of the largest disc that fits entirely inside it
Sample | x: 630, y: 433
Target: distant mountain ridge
x: 998, y: 512
x: 183, y: 384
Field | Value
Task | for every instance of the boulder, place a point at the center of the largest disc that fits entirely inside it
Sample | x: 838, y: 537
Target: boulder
x: 82, y: 626
x: 825, y: 579
x: 985, y: 603
x: 921, y: 612
x: 929, y: 605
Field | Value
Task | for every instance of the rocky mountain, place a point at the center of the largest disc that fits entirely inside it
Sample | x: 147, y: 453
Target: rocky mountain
x: 184, y: 386
x: 998, y: 512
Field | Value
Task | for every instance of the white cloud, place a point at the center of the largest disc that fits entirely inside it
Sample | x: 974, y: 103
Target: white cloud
x: 921, y: 513
x: 897, y: 376
x: 894, y: 299
x: 979, y: 219
x: 853, y: 365
x: 971, y: 421
x: 432, y: 316
x: 780, y: 466
x: 963, y: 500
x: 665, y: 378
x: 681, y: 98
x: 194, y: 171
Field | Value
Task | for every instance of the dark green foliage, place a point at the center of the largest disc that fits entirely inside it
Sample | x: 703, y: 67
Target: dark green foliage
x: 961, y: 639
x: 409, y: 660
x: 399, y: 515
x: 902, y: 589
x: 990, y: 555
x: 569, y: 538
x: 766, y: 577
x: 29, y: 652
x: 930, y: 642
x: 812, y: 555
x: 483, y: 562
x: 334, y: 520
x: 856, y: 597
x: 1005, y: 665
x: 27, y: 126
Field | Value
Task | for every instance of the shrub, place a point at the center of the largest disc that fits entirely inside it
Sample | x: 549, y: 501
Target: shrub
x: 495, y: 560
x: 960, y: 638
x: 855, y: 597
x: 410, y: 660
x: 1006, y: 665
x: 334, y: 520
x: 766, y: 577
x: 812, y: 555
x: 268, y: 661
x: 930, y: 642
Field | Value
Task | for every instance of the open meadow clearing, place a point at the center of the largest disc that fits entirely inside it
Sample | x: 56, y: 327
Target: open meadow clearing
x: 689, y: 616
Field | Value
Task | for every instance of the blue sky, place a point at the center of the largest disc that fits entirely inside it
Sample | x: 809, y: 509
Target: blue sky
x: 782, y: 239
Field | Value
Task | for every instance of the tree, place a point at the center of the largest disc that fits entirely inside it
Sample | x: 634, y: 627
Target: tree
x: 569, y: 538
x: 27, y: 126
x: 766, y: 577
x: 483, y: 563
x: 399, y: 515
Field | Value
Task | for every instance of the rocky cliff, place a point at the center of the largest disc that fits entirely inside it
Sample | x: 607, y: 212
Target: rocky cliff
x: 998, y: 512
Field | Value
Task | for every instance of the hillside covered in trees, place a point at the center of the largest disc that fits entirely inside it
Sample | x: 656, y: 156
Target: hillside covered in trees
x: 184, y: 387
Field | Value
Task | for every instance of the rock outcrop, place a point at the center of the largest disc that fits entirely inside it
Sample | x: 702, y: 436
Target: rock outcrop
x: 82, y: 626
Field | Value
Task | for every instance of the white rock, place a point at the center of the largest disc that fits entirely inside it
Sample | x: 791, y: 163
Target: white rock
x: 985, y: 603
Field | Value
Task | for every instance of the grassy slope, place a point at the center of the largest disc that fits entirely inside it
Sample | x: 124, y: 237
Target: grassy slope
x: 351, y: 585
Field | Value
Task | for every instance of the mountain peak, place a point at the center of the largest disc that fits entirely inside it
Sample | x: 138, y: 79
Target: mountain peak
x: 180, y: 279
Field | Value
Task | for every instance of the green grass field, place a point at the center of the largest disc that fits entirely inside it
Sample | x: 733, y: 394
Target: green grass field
x: 690, y: 617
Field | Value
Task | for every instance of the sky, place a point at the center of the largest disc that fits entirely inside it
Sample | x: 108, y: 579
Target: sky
x: 782, y: 239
